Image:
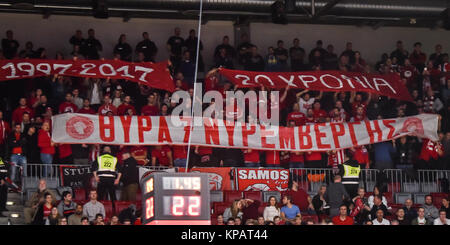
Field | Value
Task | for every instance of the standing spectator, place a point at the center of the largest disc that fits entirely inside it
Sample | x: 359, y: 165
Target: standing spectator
x: 77, y: 100
x: 75, y: 218
x: 342, y: 218
x: 335, y: 195
x: 44, y: 209
x: 68, y: 106
x: 67, y: 206
x: 289, y: 211
x: 151, y: 109
x: 95, y: 92
x: 437, y: 56
x: 271, y: 210
x: 179, y: 155
x: 319, y: 48
x: 223, y: 60
x: 320, y: 203
x: 272, y: 159
x: 147, y: 47
x: 350, y: 172
x: 41, y: 106
x: 330, y: 59
x: 93, y: 207
x: 417, y: 57
x: 77, y: 39
x: 140, y: 154
x: 296, y: 116
x: 123, y: 49
x: 383, y: 155
x: 300, y: 198
x: 191, y: 45
x: 349, y: 52
x: 4, y: 132
x: 86, y: 108
x: 244, y: 49
x: 92, y: 46
x: 107, y: 174
x: 9, y: 45
x: 130, y: 178
x: 19, y: 111
x: 282, y: 55
x: 162, y: 154
x: 445, y: 207
x: 272, y: 62
x: 421, y: 219
x: 255, y: 62
x: 47, y: 147
x: 400, y: 53
x: 405, y: 153
x: 431, y: 212
x: 442, y: 220
x: 307, y: 101
x: 17, y: 146
x: 187, y: 67
x: 107, y: 107
x: 360, y: 63
x: 28, y: 52
x: 297, y: 55
x: 430, y: 155
x: 229, y: 50
x: 410, y: 212
x: 125, y: 107
x: 175, y: 45
x: 380, y: 220
x: 36, y: 198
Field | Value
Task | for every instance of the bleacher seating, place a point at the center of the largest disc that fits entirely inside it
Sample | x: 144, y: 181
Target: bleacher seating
x: 268, y: 194
x: 230, y: 196
x: 216, y: 196
x: 437, y: 198
x: 402, y: 196
x: 80, y: 194
x: 419, y: 198
x: 109, y: 210
x: 219, y: 207
x: 394, y: 187
x: 254, y: 195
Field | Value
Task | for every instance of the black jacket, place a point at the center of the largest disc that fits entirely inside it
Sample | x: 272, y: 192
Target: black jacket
x: 130, y: 172
x: 373, y: 211
x: 13, y: 143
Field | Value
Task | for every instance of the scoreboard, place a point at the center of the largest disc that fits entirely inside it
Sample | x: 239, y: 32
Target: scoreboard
x: 175, y: 199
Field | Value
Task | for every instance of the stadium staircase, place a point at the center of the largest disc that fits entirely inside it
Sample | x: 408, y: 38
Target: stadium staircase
x: 15, y: 210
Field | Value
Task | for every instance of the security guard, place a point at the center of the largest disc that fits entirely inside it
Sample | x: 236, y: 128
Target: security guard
x: 107, y: 174
x: 350, y: 171
x: 3, y: 186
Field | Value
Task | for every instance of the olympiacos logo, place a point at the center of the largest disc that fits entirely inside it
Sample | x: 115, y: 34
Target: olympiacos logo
x: 414, y: 126
x: 79, y: 127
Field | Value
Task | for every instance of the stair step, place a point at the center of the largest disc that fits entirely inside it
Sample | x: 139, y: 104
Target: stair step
x: 14, y: 221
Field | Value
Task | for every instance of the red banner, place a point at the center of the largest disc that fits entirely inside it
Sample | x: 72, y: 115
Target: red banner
x: 252, y: 179
x: 155, y: 75
x: 387, y: 85
x: 219, y: 178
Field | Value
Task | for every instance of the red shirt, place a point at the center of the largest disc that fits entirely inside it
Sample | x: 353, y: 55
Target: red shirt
x: 320, y: 114
x: 337, y: 220
x: 211, y: 83
x: 296, y: 158
x: 309, y: 120
x: 336, y: 158
x: 4, y: 131
x: 430, y: 150
x: 17, y: 150
x: 202, y: 151
x: 47, y: 211
x: 179, y: 152
x: 149, y: 110
x: 297, y: 117
x: 417, y: 58
x: 65, y: 150
x: 139, y: 153
x: 361, y: 155
x: 18, y: 113
x: 251, y: 157
x: 162, y: 155
x: 87, y: 111
x: 272, y: 157
x: 122, y: 109
x: 313, y: 156
x: 357, y: 104
x: 104, y: 109
x: 67, y: 107
x: 44, y: 142
x: 299, y: 198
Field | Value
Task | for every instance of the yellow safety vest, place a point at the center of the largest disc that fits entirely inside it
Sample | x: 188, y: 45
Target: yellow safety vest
x: 107, y: 163
x: 351, y: 171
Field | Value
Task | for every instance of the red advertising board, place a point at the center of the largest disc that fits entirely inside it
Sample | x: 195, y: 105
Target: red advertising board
x: 219, y: 178
x: 251, y: 179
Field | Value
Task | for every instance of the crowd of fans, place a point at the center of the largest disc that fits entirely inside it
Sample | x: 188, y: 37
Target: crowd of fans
x: 25, y: 130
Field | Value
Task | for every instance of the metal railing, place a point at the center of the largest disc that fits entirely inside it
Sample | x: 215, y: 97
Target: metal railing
x: 310, y: 179
x: 420, y: 181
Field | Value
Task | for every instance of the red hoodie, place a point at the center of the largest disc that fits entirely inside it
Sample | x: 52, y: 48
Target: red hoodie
x: 44, y: 142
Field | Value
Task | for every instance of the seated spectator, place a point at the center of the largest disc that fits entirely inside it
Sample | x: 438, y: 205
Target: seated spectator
x: 114, y: 220
x: 445, y: 207
x: 234, y: 211
x: 230, y: 221
x: 162, y: 155
x: 86, y: 108
x: 35, y: 200
x: 54, y: 217
x: 431, y: 212
x: 320, y: 204
x: 401, y: 218
x: 380, y: 220
x: 220, y: 220
x: 44, y: 209
x: 395, y: 222
x: 378, y: 205
x: 250, y: 209
x: 361, y: 210
x: 289, y: 211
x: 130, y: 178
x: 140, y: 154
x: 85, y: 221
x: 271, y: 210
x: 278, y: 221
x: 62, y: 221
x: 67, y: 207
x: 260, y: 220
x: 19, y: 111
x: 421, y: 219
x: 93, y: 207
x: 99, y: 219
x: 442, y: 220
x: 298, y: 220
x: 343, y: 218
x: 151, y: 109
x: 77, y: 216
x: 251, y: 158
x: 376, y: 192
x: 128, y: 213
x: 238, y: 221
x: 410, y: 212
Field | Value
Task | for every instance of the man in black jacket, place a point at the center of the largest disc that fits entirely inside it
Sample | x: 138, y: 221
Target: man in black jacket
x: 17, y: 147
x: 335, y: 195
x: 147, y: 47
x: 130, y: 178
x: 377, y: 205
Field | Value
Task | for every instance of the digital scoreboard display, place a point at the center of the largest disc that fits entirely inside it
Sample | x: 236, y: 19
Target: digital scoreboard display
x: 176, y: 199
